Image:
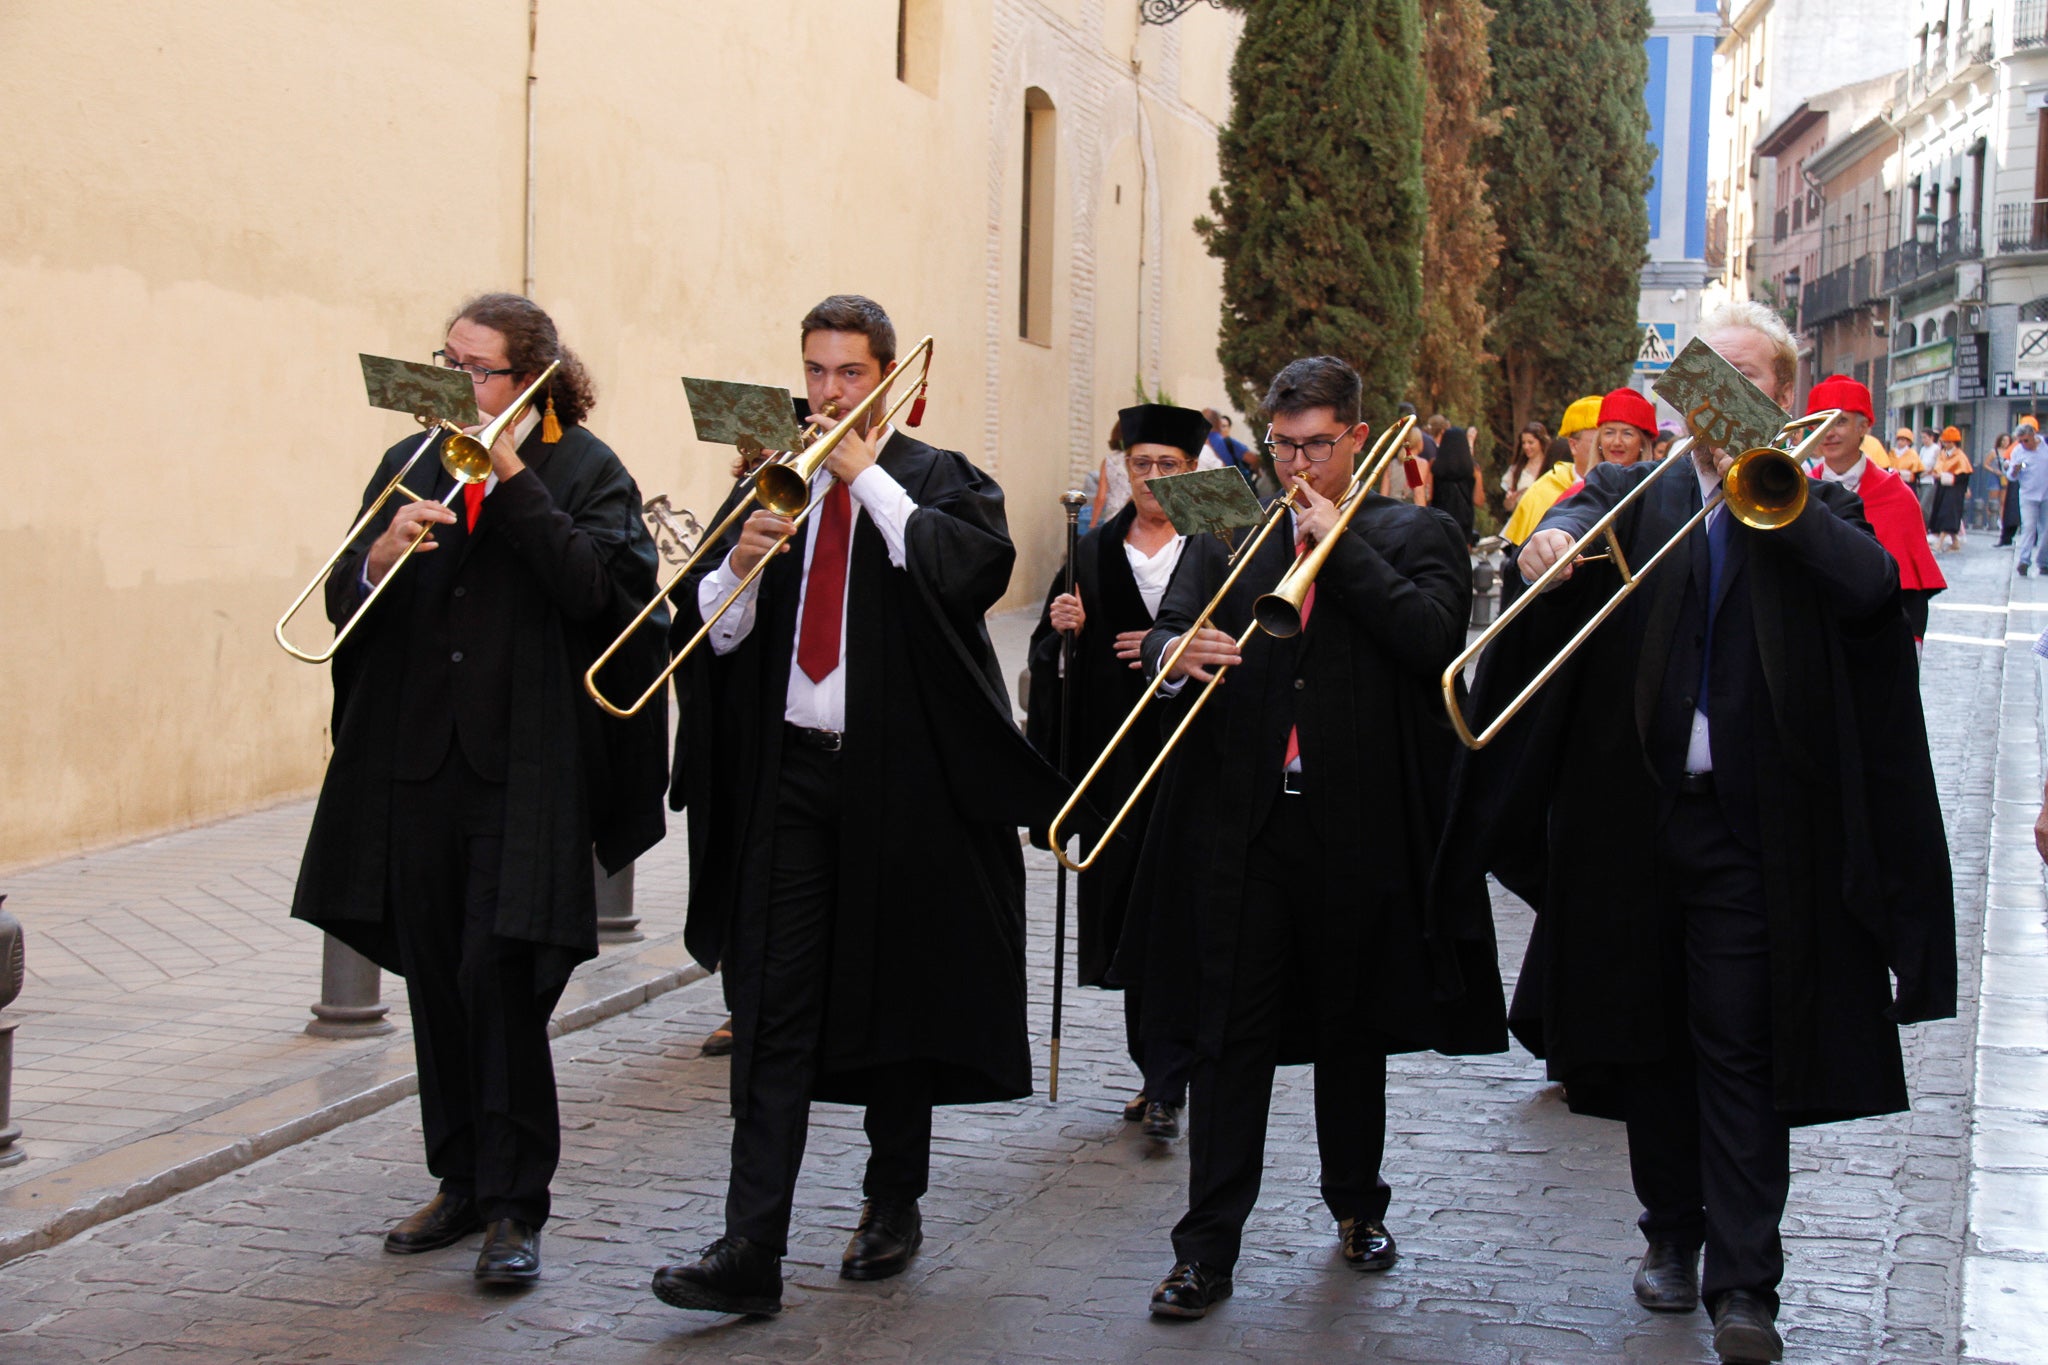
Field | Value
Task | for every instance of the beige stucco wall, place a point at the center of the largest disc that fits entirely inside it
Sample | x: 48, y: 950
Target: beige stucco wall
x: 215, y: 206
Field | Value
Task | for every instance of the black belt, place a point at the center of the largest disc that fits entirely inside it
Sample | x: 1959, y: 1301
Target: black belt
x: 1696, y: 784
x: 1290, y: 784
x: 831, y: 741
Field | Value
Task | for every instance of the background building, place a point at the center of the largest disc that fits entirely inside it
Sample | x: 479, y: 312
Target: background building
x: 213, y: 210
x: 1970, y: 271
x: 1683, y: 35
x: 1844, y: 316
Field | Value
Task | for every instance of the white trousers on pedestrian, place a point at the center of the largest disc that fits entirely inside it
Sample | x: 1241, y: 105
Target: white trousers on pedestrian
x: 2033, y: 540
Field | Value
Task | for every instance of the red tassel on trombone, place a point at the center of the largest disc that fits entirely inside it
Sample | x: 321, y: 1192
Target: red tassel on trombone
x: 916, y: 417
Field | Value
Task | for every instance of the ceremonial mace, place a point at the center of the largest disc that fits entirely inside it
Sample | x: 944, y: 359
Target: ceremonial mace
x: 1071, y: 500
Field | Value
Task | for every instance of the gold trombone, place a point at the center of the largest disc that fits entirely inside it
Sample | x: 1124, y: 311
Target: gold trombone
x: 1764, y: 489
x: 783, y: 486
x: 467, y: 459
x: 1278, y: 613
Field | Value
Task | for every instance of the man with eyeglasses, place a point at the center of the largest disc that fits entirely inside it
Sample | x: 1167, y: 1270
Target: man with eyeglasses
x: 472, y: 777
x: 855, y: 785
x: 1121, y: 573
x: 1284, y: 878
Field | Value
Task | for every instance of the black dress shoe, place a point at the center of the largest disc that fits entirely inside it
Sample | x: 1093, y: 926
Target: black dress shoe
x: 1190, y: 1290
x: 1744, y: 1330
x: 889, y: 1234
x: 718, y: 1042
x: 445, y: 1221
x: 1667, y: 1280
x: 1367, y: 1243
x: 1135, y: 1110
x: 1162, y: 1121
x: 734, y: 1276
x: 511, y: 1253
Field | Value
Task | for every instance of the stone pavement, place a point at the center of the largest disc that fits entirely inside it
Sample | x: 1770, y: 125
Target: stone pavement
x: 1047, y: 1224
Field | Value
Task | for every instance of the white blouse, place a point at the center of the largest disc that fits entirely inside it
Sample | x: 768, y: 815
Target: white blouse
x: 1155, y: 573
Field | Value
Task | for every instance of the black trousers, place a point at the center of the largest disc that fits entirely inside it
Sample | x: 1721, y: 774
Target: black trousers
x: 1709, y: 1153
x: 479, y: 1007
x: 1165, y: 1063
x: 768, y: 1139
x: 1279, y: 942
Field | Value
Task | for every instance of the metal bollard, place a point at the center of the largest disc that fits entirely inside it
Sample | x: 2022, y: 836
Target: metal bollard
x: 616, y: 922
x: 351, y: 990
x: 13, y: 970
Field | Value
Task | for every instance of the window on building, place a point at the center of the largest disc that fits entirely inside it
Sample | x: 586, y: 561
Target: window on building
x: 917, y: 44
x: 1034, y: 282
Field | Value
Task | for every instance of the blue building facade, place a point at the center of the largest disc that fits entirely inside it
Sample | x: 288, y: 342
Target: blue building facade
x: 1680, y: 91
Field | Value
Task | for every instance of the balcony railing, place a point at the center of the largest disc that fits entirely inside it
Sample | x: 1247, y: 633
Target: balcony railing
x: 1955, y: 240
x: 2029, y: 24
x: 1839, y: 292
x: 2023, y: 226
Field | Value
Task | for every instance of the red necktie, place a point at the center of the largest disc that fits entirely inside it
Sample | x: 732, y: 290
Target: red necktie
x: 817, y: 641
x: 1308, y: 604
x: 473, y: 501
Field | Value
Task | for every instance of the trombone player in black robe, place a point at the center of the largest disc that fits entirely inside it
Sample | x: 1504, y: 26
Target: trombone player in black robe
x: 472, y: 777
x: 1112, y: 609
x: 1727, y: 973
x: 1284, y: 877
x: 860, y: 781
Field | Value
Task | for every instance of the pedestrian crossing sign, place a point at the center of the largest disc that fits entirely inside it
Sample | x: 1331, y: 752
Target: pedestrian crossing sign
x: 1654, y: 347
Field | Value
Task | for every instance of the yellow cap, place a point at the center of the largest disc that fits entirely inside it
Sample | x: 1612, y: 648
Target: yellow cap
x: 1580, y: 415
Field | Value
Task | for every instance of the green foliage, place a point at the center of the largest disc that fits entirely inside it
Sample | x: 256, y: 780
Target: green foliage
x: 1162, y: 396
x: 1318, y: 220
x: 1460, y: 241
x: 1569, y: 175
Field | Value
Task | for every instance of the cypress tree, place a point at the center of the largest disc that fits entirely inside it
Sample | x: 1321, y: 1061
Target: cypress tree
x: 1569, y: 174
x: 1460, y: 243
x: 1318, y: 219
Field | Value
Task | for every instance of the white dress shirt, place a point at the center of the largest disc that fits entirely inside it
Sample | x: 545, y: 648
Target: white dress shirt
x: 814, y: 705
x: 1848, y: 480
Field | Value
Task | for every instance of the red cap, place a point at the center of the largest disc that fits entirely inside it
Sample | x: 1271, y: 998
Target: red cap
x: 1840, y: 391
x: 1626, y: 405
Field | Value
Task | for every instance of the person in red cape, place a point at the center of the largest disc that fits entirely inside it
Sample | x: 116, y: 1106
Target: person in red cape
x: 1891, y: 507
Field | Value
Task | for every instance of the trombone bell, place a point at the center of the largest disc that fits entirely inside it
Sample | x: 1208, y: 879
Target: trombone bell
x: 468, y: 457
x: 1765, y: 488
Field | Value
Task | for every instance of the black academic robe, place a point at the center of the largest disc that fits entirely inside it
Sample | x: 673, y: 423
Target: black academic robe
x: 1105, y: 688
x: 1819, y: 741
x: 1361, y: 682
x: 558, y: 563
x: 927, y: 959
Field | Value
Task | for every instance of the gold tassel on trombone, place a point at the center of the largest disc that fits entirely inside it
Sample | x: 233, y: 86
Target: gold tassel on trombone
x: 550, y: 428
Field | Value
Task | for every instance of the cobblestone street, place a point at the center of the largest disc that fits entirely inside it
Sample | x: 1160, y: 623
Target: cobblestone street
x: 1047, y: 1224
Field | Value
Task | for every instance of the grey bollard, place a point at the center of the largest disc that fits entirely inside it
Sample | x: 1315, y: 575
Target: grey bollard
x: 351, y: 990
x: 616, y: 922
x: 13, y: 970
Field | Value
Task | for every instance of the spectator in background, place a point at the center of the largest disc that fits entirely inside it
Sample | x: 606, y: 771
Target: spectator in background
x: 1581, y: 426
x: 1454, y: 476
x: 1662, y: 446
x: 1951, y: 491
x: 1527, y: 466
x: 1907, y: 464
x: 1228, y: 448
x: 1428, y: 441
x: 2028, y: 464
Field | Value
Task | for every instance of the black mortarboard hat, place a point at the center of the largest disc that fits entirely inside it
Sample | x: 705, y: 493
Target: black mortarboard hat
x: 1160, y: 425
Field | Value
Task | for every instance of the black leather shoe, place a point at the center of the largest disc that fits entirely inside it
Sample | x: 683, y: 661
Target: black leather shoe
x: 1667, y: 1280
x: 1135, y: 1110
x: 1162, y: 1121
x: 1367, y: 1243
x: 734, y: 1276
x: 888, y: 1236
x: 1190, y: 1290
x: 511, y: 1253
x: 718, y: 1042
x: 1744, y: 1330
x: 445, y: 1221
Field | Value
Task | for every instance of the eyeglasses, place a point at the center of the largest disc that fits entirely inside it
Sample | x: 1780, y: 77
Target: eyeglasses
x: 1145, y: 468
x: 1315, y: 450
x: 477, y: 373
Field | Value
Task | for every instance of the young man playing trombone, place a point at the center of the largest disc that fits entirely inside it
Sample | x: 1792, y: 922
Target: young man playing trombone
x: 855, y: 786
x: 1288, y: 857
x: 452, y: 841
